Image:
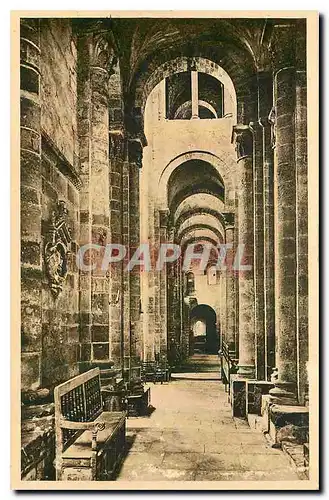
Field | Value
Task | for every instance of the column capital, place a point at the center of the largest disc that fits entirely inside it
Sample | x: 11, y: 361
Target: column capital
x: 102, y: 47
x: 103, y: 53
x: 265, y: 97
x: 134, y: 123
x: 135, y: 152
x: 242, y: 136
x: 228, y: 218
x: 283, y: 45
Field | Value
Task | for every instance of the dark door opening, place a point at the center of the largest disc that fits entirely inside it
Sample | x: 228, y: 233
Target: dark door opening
x: 205, y: 338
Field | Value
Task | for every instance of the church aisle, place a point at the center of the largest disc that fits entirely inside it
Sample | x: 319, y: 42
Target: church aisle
x: 191, y: 436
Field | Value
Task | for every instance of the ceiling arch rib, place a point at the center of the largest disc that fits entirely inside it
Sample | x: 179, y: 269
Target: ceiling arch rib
x: 201, y: 211
x: 201, y: 233
x: 198, y: 202
x: 195, y: 227
x: 222, y: 166
x: 192, y: 177
x: 222, y: 38
x: 209, y: 220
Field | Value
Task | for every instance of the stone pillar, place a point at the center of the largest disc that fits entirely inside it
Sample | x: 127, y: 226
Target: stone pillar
x: 285, y: 214
x: 244, y: 143
x: 135, y: 153
x: 115, y: 272
x: 258, y: 264
x: 230, y: 284
x: 95, y: 60
x: 125, y: 296
x: 195, y: 94
x: 31, y: 189
x: 302, y: 210
x: 265, y: 103
x: 163, y: 285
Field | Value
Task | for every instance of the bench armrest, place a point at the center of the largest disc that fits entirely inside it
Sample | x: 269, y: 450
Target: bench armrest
x: 81, y: 426
x: 94, y: 427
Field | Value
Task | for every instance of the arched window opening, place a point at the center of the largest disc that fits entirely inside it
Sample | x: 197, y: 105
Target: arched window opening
x: 212, y: 275
x: 192, y: 94
x: 190, y: 286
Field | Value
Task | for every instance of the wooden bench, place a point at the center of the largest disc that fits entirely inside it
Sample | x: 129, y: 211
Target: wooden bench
x: 155, y: 371
x: 90, y: 442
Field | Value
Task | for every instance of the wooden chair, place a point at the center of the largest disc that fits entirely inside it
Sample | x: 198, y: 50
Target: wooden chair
x: 90, y: 442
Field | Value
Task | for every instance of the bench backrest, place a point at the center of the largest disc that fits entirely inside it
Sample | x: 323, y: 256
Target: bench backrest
x: 78, y: 400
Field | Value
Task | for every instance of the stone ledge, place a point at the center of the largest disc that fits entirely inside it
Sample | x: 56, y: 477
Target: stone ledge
x: 295, y: 453
x: 37, y: 445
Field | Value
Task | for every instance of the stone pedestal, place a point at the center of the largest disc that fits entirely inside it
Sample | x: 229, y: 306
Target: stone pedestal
x: 238, y: 396
x: 288, y: 423
x: 255, y: 390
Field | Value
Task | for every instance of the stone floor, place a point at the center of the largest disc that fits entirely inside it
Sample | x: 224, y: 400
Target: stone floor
x: 191, y: 436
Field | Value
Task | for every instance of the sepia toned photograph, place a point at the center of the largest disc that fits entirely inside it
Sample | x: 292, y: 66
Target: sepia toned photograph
x: 165, y: 232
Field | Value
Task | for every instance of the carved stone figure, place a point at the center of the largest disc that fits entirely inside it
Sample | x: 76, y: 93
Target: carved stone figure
x: 272, y: 120
x: 57, y: 249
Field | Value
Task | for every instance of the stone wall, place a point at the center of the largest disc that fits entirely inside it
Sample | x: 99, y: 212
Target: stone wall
x: 50, y: 334
x: 60, y: 315
x: 59, y: 85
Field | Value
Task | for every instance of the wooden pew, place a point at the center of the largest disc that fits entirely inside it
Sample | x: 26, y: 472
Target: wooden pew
x: 90, y: 442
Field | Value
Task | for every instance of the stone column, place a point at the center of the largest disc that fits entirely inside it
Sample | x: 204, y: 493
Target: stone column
x: 95, y: 60
x: 258, y: 264
x: 265, y: 104
x: 195, y: 94
x: 117, y: 158
x: 302, y: 210
x: 285, y: 214
x: 244, y: 142
x: 135, y: 153
x: 230, y: 284
x: 31, y: 189
x: 125, y: 296
x: 163, y: 285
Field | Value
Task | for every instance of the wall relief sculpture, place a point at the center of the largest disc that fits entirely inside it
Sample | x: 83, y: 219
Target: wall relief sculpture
x: 57, y: 248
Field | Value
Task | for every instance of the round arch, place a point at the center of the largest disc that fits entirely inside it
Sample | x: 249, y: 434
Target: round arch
x: 214, y: 160
x: 182, y: 64
x: 200, y: 226
x: 199, y: 218
x: 207, y: 316
x: 198, y: 202
x: 201, y: 211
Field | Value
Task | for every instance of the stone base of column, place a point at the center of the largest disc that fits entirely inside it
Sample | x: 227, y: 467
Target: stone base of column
x: 255, y: 390
x: 288, y: 423
x: 284, y: 393
x: 238, y: 396
x: 246, y: 371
